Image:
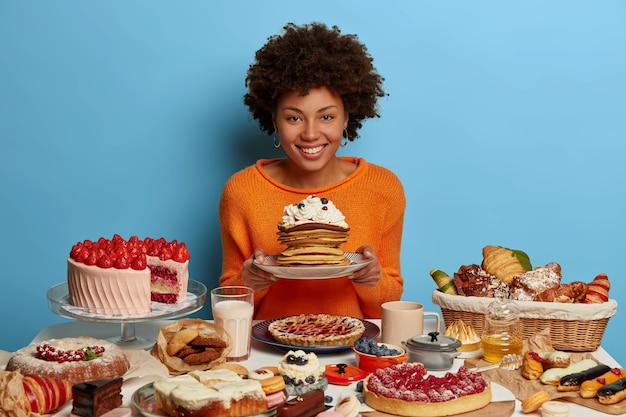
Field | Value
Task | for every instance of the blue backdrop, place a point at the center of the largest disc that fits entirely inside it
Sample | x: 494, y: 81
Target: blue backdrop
x: 505, y: 121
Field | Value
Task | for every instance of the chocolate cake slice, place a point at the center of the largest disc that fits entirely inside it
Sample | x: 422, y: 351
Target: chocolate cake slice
x: 94, y: 398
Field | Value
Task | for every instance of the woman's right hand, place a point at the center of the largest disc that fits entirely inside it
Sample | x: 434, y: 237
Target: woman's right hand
x: 253, y: 276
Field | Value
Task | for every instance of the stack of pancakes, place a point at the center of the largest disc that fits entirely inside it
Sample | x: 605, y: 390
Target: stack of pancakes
x: 312, y: 244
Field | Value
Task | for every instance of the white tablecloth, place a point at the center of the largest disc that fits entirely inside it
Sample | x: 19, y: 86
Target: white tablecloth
x: 261, y: 355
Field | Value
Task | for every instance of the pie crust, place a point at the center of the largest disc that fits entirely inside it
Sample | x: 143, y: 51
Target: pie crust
x: 457, y: 404
x: 316, y: 330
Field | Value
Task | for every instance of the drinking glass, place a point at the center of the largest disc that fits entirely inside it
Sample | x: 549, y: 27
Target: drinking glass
x: 233, y: 307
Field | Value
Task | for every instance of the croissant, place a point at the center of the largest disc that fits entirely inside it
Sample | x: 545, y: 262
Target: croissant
x: 564, y: 293
x: 505, y: 263
x: 443, y: 281
x: 598, y: 291
x: 32, y: 394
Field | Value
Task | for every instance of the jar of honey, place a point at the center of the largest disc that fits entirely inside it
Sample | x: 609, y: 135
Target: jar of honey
x: 501, y: 332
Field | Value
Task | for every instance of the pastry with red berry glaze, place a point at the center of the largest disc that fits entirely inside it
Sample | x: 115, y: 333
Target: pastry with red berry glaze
x: 73, y: 359
x: 408, y: 390
x: 120, y: 277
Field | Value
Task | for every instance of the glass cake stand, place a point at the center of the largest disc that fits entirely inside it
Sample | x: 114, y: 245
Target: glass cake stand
x: 59, y: 303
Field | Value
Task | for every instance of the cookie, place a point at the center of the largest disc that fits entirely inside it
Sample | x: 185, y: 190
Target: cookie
x: 273, y: 384
x: 235, y: 367
x: 205, y: 341
x: 180, y: 340
x: 533, y: 402
x: 208, y: 355
x: 260, y: 374
x: 188, y: 350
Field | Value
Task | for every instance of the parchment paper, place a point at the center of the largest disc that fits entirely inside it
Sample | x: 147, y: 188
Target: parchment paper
x: 175, y: 365
x: 522, y: 388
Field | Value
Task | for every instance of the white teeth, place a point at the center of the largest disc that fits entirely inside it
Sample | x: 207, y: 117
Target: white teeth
x: 312, y: 150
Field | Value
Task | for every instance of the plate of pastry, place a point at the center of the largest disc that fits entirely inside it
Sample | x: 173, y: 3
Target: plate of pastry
x: 260, y: 332
x: 355, y: 261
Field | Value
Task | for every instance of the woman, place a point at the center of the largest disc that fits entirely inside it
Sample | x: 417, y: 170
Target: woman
x: 311, y: 87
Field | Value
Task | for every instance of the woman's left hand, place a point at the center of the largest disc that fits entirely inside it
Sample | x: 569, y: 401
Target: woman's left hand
x: 369, y: 275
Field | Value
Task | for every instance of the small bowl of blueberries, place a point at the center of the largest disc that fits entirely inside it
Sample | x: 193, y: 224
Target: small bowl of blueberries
x: 372, y: 355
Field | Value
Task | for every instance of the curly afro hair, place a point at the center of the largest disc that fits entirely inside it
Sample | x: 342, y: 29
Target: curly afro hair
x: 312, y: 56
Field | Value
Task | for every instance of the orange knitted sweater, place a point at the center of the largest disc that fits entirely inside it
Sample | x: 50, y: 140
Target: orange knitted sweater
x: 373, y: 202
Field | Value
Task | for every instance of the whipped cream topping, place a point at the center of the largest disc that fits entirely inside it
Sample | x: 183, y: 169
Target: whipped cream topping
x: 313, y: 209
x: 193, y: 391
x: 300, y: 372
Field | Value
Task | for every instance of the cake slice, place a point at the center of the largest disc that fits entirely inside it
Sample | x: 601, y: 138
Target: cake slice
x: 168, y: 280
x: 95, y: 398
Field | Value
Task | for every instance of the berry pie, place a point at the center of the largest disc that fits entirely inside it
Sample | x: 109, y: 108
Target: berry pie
x: 408, y: 390
x: 316, y: 330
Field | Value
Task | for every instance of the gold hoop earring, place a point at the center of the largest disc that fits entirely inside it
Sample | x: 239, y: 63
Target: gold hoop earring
x: 344, y: 138
x: 276, y: 140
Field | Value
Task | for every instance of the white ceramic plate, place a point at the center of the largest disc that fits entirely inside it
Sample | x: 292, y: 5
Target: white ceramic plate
x: 314, y: 272
x: 473, y: 354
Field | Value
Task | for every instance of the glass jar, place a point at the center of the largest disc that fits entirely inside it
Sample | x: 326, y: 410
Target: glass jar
x: 501, y: 333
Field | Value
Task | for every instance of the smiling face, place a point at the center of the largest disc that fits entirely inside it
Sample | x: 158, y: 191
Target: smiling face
x: 310, y: 128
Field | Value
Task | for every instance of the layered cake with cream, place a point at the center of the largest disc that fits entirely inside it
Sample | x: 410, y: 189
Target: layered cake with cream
x: 313, y: 230
x: 302, y: 372
x: 121, y: 277
x: 215, y: 393
x: 95, y: 398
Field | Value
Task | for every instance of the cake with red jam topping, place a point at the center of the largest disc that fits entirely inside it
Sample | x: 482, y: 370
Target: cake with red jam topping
x: 408, y: 390
x: 121, y: 277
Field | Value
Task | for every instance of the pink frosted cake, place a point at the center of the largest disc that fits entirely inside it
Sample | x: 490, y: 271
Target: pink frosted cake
x: 122, y: 278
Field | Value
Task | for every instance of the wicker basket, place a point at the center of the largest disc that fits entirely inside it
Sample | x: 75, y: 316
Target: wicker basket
x: 573, y: 327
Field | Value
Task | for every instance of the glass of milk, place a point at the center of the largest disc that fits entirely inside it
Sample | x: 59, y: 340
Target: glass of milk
x: 233, y: 307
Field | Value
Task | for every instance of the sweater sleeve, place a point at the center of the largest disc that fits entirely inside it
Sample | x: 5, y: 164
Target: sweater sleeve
x: 235, y: 243
x: 243, y: 226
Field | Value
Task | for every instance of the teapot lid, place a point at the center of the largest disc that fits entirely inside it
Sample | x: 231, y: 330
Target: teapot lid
x: 433, y: 341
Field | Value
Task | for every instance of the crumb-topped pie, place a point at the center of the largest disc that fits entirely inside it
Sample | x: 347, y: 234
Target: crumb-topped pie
x: 316, y: 330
